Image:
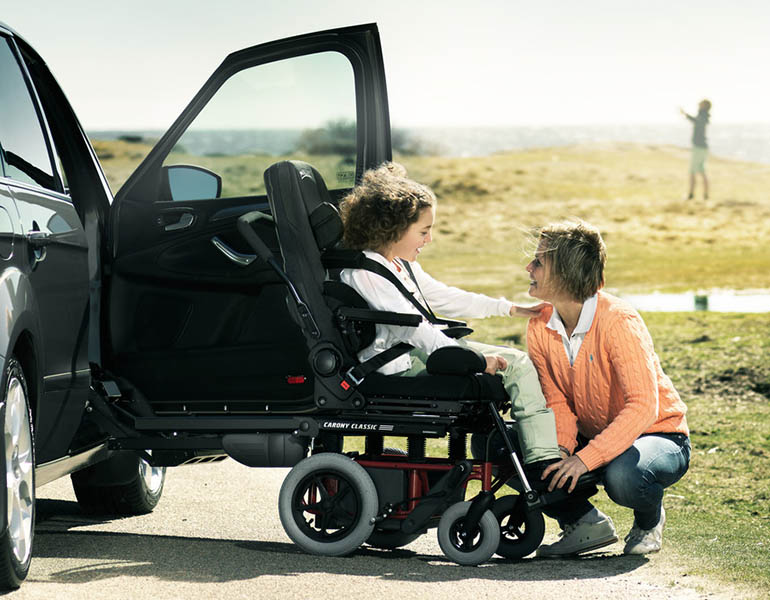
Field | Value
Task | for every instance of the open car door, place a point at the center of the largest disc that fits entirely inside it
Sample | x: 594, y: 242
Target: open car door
x: 194, y: 321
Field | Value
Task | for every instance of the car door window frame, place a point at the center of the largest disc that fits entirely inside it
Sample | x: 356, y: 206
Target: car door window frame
x: 144, y: 184
x: 45, y: 131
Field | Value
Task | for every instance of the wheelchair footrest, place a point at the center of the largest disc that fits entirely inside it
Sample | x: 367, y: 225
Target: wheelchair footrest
x: 438, y: 499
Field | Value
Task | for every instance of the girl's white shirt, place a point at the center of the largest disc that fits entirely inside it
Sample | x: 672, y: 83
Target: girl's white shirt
x: 445, y: 300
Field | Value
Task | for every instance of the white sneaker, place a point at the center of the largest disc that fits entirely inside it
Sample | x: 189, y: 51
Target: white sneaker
x: 644, y: 541
x: 581, y: 537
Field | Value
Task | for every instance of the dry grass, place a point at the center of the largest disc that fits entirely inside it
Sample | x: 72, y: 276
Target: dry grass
x: 633, y: 193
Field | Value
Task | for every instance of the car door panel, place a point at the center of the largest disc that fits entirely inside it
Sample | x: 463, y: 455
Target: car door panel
x: 194, y: 316
x: 58, y: 274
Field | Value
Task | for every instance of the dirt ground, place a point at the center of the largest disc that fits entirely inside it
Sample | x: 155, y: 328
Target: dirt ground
x: 216, y: 534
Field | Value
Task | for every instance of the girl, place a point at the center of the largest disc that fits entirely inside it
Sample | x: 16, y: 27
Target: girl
x: 390, y: 218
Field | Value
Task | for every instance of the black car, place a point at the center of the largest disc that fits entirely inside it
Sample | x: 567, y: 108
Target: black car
x: 153, y: 296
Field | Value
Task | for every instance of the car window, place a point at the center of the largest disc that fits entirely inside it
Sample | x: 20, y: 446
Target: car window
x: 24, y: 150
x: 298, y: 108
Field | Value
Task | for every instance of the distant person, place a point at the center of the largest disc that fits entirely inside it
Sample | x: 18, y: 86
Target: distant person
x: 699, y: 147
x: 390, y: 218
x: 614, y: 405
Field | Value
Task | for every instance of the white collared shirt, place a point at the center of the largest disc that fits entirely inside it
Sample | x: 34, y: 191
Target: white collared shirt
x: 449, y: 301
x: 573, y: 342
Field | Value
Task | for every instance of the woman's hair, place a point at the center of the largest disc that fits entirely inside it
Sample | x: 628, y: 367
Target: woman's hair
x: 574, y: 256
x: 379, y: 210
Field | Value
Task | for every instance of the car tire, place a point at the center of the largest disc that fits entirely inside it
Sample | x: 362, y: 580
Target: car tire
x: 125, y: 484
x: 18, y: 459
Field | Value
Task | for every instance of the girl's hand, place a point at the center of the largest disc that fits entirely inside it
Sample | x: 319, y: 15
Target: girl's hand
x: 495, y: 364
x: 527, y: 311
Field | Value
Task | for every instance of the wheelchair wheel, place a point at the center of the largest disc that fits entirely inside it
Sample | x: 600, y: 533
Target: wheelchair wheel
x: 327, y: 504
x: 521, y: 531
x: 473, y: 549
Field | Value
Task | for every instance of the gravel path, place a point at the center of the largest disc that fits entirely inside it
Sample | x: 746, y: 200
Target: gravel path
x: 216, y: 534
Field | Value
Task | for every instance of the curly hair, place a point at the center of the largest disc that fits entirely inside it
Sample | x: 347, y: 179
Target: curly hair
x: 380, y: 209
x: 575, y: 256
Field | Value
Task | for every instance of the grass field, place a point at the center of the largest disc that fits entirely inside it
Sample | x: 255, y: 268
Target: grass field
x: 719, y: 513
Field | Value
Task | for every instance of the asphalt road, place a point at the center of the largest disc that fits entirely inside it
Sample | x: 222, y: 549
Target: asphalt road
x: 216, y: 534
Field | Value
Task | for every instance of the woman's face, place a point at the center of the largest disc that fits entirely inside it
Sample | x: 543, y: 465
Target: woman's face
x: 418, y: 234
x: 540, y: 284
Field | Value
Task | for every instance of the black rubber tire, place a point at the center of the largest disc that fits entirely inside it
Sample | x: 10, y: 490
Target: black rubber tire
x: 16, y: 549
x: 342, y: 519
x: 132, y: 495
x: 477, y: 550
x: 521, y: 531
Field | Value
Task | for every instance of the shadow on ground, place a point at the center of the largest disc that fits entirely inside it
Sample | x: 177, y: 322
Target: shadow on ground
x: 192, y: 559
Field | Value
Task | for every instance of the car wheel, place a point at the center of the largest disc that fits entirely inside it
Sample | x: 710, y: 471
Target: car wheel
x: 124, y: 484
x: 19, y: 462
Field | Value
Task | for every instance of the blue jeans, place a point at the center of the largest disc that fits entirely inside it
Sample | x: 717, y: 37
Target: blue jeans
x: 635, y: 479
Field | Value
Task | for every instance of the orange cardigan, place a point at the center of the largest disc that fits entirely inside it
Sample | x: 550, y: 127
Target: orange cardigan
x: 615, y: 391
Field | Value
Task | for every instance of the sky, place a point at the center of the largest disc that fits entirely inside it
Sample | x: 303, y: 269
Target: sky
x: 448, y: 63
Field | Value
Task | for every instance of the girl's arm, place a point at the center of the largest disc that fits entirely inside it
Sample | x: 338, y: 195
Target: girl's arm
x: 455, y: 302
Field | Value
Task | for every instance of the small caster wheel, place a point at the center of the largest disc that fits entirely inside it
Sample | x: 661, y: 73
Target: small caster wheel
x: 467, y: 548
x: 521, y: 531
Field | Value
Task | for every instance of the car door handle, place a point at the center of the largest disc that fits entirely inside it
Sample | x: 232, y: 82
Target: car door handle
x: 38, y: 239
x: 240, y: 259
x: 185, y: 220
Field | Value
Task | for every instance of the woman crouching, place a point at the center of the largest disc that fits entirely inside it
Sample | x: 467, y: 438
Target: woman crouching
x: 614, y: 405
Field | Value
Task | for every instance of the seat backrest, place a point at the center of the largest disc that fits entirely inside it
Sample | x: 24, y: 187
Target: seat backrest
x: 306, y: 224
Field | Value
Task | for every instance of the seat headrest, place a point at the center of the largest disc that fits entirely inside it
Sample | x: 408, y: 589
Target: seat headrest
x: 327, y: 225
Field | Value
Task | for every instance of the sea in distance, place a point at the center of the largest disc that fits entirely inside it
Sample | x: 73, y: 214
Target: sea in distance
x: 746, y: 141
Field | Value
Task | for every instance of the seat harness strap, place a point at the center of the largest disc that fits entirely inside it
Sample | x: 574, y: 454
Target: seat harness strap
x: 375, y: 267
x: 359, y: 372
x: 408, y: 267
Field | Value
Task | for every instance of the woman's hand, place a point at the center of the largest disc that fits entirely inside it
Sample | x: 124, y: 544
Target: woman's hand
x: 571, y: 467
x: 495, y: 364
x: 527, y: 311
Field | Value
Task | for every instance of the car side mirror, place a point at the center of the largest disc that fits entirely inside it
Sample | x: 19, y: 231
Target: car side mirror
x: 190, y: 182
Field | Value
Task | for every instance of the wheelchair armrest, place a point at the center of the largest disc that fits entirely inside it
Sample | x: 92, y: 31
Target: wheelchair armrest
x: 450, y: 322
x: 457, y: 331
x: 378, y: 316
x: 456, y: 360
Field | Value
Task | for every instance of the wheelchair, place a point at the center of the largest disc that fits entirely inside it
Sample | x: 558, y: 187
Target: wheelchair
x: 332, y: 502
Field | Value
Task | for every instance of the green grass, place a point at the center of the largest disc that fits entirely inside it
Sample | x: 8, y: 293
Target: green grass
x: 720, y: 511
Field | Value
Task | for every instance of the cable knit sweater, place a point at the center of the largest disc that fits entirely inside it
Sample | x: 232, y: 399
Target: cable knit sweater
x: 615, y: 391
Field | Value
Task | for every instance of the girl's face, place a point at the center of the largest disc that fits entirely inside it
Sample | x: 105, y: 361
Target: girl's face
x: 418, y: 234
x: 540, y: 281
